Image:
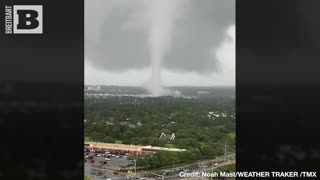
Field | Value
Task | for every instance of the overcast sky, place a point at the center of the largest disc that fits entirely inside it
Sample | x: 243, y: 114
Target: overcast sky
x: 199, y: 46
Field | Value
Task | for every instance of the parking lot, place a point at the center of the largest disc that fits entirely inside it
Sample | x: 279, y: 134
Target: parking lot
x: 108, y: 164
x: 105, y: 165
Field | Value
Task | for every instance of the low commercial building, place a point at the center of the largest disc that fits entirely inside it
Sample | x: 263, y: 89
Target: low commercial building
x: 131, y: 149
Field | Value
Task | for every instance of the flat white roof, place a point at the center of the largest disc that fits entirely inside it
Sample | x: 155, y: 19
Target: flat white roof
x: 163, y: 149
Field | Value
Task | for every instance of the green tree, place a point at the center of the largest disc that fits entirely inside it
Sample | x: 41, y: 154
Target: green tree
x: 207, y: 150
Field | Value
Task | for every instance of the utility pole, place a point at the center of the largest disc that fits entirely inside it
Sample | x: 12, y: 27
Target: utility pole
x: 212, y: 166
x: 225, y: 151
x: 135, y: 167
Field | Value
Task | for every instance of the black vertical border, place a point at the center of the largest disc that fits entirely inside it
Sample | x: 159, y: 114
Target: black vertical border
x: 41, y: 95
x: 278, y: 85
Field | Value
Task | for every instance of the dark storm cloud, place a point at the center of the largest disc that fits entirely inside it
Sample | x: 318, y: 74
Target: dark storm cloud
x: 202, y: 28
x: 118, y: 48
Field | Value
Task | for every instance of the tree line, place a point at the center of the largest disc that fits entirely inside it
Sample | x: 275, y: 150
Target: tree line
x: 140, y: 121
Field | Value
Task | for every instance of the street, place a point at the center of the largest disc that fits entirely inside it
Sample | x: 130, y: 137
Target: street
x: 108, y: 171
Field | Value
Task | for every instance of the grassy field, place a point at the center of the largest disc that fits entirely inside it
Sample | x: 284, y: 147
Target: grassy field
x: 88, y: 178
x: 118, y: 142
x: 87, y: 139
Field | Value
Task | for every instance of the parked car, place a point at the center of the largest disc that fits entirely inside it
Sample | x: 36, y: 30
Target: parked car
x: 92, y: 161
x: 90, y: 157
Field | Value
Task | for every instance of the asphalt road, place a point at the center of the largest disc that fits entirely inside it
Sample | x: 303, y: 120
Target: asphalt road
x: 171, y: 174
x: 174, y: 173
x: 199, y: 169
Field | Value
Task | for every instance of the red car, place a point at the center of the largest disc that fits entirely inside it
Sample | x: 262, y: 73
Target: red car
x: 91, y: 161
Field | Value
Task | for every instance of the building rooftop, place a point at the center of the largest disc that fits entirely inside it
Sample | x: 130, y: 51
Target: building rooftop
x: 167, y: 137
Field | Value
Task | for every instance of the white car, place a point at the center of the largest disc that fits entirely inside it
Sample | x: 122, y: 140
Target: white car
x: 106, y: 159
x: 98, y: 155
x: 117, y: 157
x: 113, y: 155
x: 216, y: 164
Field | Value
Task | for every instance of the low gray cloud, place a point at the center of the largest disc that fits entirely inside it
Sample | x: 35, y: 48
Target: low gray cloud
x: 112, y: 47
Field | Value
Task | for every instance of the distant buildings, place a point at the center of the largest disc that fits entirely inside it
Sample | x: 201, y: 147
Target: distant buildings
x: 110, y: 123
x: 139, y: 124
x: 172, y: 115
x: 213, y: 115
x: 202, y: 92
x: 224, y: 115
x: 177, y: 94
x: 93, y: 88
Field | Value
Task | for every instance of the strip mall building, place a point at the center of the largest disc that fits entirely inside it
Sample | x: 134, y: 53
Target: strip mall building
x: 132, y: 149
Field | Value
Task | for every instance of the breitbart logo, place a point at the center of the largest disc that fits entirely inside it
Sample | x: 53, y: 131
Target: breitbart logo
x: 23, y: 19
